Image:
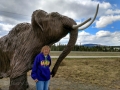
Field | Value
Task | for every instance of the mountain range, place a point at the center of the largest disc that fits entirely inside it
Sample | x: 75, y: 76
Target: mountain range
x: 92, y: 45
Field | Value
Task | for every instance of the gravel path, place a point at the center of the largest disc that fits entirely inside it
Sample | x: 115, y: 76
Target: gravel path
x: 58, y: 84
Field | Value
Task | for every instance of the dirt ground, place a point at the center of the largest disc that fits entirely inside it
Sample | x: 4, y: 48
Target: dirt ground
x: 81, y: 74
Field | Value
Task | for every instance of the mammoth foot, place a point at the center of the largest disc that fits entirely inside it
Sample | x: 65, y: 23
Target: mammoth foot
x: 1, y: 76
x: 19, y: 83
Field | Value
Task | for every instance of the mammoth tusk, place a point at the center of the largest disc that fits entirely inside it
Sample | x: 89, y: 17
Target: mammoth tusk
x: 77, y: 26
x: 39, y: 25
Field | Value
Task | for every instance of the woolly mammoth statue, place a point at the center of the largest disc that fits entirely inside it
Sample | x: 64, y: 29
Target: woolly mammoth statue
x: 25, y: 40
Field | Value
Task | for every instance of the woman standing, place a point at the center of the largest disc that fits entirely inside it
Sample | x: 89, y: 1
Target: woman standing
x: 41, y: 71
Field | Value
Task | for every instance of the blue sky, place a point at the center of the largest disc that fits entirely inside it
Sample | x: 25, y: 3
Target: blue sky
x: 105, y: 30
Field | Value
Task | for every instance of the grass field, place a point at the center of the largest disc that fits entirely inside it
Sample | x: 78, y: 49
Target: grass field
x: 99, y: 71
x: 102, y: 72
x: 73, y: 72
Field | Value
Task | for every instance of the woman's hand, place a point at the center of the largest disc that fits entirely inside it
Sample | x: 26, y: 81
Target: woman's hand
x: 36, y: 80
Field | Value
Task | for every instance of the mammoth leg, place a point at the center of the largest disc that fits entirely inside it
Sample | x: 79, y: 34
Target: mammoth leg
x: 19, y: 83
x: 27, y: 84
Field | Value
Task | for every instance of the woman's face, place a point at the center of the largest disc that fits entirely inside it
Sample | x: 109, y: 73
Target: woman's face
x: 46, y: 51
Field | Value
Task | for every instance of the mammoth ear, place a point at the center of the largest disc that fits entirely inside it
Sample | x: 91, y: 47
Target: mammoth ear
x: 37, y: 18
x: 38, y: 24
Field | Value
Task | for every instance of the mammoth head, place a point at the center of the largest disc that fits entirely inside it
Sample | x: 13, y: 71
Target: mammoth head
x: 51, y: 27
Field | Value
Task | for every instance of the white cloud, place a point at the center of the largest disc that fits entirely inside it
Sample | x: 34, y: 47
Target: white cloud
x: 101, y: 37
x: 23, y: 9
x: 105, y: 5
x: 106, y: 20
x: 6, y: 27
x: 77, y: 9
x: 64, y: 40
x: 111, y: 12
x: 103, y: 33
x: 8, y: 20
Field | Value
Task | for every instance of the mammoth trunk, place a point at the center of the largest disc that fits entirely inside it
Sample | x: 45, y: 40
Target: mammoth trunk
x: 66, y: 51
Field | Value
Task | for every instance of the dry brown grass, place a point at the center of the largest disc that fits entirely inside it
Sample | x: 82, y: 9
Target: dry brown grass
x: 82, y: 72
x: 104, y: 72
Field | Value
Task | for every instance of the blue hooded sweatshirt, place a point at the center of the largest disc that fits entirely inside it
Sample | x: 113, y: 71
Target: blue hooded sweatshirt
x: 40, y: 69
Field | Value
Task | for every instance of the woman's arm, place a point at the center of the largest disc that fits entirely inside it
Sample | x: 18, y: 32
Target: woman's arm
x: 34, y: 68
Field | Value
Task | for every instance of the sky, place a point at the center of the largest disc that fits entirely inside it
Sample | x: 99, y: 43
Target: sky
x: 105, y: 30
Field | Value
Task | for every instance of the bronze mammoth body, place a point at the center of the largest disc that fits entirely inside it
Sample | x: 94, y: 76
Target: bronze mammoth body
x: 25, y: 40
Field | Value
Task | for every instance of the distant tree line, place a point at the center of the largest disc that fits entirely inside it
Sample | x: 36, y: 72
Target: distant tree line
x: 60, y: 47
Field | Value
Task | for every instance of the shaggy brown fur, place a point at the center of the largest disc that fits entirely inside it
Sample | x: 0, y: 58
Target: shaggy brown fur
x: 14, y: 43
x: 4, y: 61
x: 25, y: 40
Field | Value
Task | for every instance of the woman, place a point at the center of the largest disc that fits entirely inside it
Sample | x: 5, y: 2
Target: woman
x: 41, y: 71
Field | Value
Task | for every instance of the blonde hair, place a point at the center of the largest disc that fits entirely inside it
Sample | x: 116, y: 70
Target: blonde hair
x: 45, y: 47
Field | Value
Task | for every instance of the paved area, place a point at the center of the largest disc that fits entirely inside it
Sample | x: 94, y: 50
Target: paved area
x: 88, y: 56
